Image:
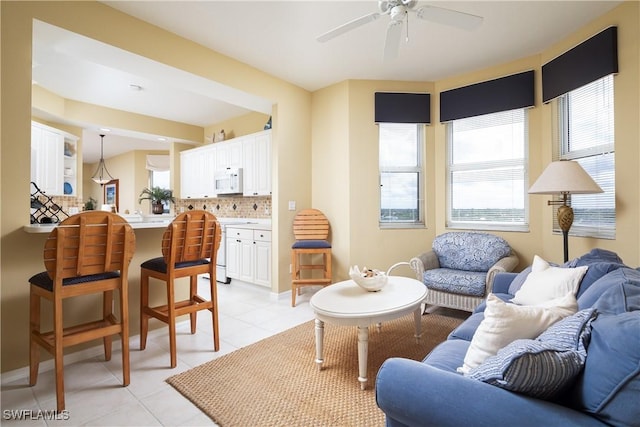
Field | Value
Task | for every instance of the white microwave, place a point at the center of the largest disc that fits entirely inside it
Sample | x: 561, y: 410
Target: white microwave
x: 228, y: 181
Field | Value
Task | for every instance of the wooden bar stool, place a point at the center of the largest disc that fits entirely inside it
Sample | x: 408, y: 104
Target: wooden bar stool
x: 189, y: 248
x: 311, y: 230
x: 88, y: 253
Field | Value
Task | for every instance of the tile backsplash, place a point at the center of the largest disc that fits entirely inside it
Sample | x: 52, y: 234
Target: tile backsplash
x: 223, y: 207
x: 229, y: 207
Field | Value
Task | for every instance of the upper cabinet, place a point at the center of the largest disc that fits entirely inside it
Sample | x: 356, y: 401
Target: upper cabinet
x: 228, y: 154
x: 53, y: 160
x: 197, y: 168
x: 256, y: 164
x: 252, y: 153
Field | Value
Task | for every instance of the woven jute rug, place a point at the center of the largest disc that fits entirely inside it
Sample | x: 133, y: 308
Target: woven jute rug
x: 276, y: 382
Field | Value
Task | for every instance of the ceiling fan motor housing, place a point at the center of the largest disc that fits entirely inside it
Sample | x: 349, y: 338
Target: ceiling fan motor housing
x: 398, y: 13
x: 397, y: 9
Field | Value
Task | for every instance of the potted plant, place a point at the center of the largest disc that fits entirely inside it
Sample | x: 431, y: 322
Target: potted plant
x: 90, y: 204
x: 158, y: 196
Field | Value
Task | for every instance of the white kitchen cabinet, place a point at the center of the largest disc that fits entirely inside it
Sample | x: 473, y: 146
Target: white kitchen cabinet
x: 228, y: 154
x: 262, y: 258
x: 50, y: 167
x: 256, y: 164
x: 197, y: 168
x: 249, y: 255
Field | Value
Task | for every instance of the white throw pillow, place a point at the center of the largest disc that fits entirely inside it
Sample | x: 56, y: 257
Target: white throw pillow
x: 545, y: 283
x: 504, y: 323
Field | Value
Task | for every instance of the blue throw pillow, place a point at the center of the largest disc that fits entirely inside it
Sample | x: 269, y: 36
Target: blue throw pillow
x: 543, y: 367
x: 596, y: 271
x: 597, y: 255
x: 609, y: 388
x: 613, y: 299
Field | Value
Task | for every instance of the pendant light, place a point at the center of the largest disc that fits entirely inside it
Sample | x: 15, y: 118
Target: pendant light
x: 102, y: 175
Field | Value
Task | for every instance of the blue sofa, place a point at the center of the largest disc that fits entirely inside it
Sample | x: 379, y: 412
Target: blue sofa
x: 605, y: 392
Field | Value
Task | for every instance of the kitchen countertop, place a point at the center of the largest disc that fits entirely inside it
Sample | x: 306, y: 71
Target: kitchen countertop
x: 252, y: 226
x: 164, y: 220
x: 46, y: 228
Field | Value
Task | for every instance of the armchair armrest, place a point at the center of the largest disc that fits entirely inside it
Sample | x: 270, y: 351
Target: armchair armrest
x: 425, y: 261
x: 505, y: 264
x: 412, y: 393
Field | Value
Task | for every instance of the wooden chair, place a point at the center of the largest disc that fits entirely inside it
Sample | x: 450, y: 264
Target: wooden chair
x: 311, y: 230
x: 189, y: 248
x: 87, y: 253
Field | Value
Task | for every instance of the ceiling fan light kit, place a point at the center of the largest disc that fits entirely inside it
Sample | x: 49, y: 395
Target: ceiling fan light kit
x: 398, y: 11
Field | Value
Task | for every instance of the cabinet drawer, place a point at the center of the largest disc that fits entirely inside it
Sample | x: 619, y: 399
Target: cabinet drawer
x: 262, y: 235
x: 239, y: 233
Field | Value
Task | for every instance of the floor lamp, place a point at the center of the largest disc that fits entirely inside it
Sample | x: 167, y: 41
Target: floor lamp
x: 564, y: 177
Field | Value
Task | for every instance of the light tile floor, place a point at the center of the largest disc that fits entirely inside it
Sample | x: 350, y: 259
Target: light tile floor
x: 93, y: 388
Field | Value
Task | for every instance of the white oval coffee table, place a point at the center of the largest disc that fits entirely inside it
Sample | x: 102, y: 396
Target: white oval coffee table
x: 347, y: 304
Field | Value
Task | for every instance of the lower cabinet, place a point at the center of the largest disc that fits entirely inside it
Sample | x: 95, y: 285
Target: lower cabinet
x: 249, y: 255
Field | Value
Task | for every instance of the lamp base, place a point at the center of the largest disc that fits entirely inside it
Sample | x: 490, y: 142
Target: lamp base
x: 565, y: 219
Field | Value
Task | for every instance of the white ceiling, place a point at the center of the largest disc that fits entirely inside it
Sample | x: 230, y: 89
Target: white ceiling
x: 279, y: 37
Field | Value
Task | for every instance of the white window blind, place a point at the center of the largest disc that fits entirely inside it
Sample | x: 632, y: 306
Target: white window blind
x: 487, y: 172
x: 586, y: 135
x: 400, y: 165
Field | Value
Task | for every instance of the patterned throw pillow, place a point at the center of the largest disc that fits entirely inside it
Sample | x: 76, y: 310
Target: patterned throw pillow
x: 542, y: 367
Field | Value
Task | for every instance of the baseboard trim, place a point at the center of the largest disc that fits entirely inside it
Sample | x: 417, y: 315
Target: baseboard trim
x: 88, y: 353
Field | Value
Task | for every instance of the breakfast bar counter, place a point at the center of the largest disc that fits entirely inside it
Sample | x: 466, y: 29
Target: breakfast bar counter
x: 47, y: 228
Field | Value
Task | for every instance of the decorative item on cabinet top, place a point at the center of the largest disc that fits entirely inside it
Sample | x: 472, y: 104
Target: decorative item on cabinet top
x: 69, y: 149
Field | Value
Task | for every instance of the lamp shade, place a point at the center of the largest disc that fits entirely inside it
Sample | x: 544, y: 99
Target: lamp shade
x: 564, y: 177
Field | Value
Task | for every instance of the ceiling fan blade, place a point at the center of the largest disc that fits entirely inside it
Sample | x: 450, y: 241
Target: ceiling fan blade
x: 351, y: 25
x: 392, y: 42
x: 465, y: 21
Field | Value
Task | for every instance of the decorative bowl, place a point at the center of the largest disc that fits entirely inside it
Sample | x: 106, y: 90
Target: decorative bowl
x: 367, y: 279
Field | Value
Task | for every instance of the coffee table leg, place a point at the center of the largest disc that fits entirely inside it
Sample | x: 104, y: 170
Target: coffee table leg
x: 363, y: 351
x: 319, y: 340
x: 417, y: 317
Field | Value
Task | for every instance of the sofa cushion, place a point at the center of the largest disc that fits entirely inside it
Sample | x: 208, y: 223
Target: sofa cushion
x: 470, y: 251
x: 447, y: 355
x: 467, y: 328
x: 612, y: 279
x: 456, y: 281
x: 595, y: 255
x: 504, y: 322
x: 624, y: 296
x: 545, y: 282
x: 543, y: 367
x: 596, y: 271
x: 609, y: 387
x: 481, y: 307
x: 519, y: 280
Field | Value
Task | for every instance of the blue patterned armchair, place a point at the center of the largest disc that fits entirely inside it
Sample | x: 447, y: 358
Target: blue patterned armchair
x: 460, y: 267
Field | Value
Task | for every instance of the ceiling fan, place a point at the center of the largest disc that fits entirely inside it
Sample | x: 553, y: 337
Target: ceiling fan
x: 398, y: 11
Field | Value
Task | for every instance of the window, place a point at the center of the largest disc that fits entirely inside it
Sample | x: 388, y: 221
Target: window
x: 161, y: 179
x: 487, y: 172
x: 586, y: 135
x: 401, y: 192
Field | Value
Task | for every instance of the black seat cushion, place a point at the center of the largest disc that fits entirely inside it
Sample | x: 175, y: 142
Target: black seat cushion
x: 158, y: 264
x: 311, y: 244
x: 44, y: 281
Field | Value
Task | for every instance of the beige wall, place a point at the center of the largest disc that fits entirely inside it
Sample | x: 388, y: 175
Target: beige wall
x: 324, y: 153
x: 526, y: 244
x: 239, y: 126
x: 353, y: 205
x: 21, y: 254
